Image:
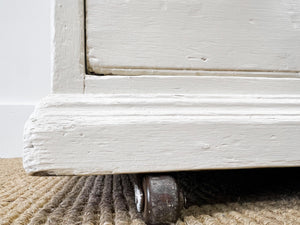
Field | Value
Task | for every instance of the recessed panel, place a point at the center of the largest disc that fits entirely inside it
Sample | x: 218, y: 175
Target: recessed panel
x: 192, y: 35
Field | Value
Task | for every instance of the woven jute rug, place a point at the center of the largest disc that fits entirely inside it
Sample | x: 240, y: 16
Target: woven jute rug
x: 259, y: 196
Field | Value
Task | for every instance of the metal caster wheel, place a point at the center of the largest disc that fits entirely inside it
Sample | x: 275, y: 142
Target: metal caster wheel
x: 159, y: 198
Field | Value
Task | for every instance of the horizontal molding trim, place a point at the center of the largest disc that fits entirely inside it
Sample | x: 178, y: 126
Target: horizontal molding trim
x: 100, y: 134
x: 183, y: 85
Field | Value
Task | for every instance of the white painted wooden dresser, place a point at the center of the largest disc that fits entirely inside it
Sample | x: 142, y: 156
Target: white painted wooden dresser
x: 168, y: 85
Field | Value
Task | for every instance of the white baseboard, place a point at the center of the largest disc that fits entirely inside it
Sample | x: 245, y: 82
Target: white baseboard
x: 99, y: 134
x: 12, y: 119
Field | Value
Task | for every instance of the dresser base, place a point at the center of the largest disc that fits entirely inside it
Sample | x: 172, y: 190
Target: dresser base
x: 106, y: 134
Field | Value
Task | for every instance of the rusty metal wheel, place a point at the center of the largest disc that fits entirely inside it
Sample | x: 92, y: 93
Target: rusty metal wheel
x: 163, y: 199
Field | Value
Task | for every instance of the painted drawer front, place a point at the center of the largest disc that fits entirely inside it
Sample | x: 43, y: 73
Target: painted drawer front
x: 235, y: 35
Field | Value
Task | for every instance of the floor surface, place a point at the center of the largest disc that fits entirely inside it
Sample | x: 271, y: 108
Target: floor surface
x: 259, y: 196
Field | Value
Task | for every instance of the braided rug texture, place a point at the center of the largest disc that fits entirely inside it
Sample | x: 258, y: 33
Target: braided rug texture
x: 269, y: 196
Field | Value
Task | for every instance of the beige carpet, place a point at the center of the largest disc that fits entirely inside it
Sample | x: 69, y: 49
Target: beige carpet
x: 223, y: 197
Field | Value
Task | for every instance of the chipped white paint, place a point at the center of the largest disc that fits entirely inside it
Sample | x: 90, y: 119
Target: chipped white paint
x: 141, y: 36
x: 92, y: 134
x: 127, y: 124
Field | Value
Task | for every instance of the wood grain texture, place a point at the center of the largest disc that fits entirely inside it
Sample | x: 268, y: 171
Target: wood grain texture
x: 67, y: 55
x: 102, y: 134
x: 140, y: 36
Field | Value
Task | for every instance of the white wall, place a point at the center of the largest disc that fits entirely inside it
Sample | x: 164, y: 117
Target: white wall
x: 25, y: 66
